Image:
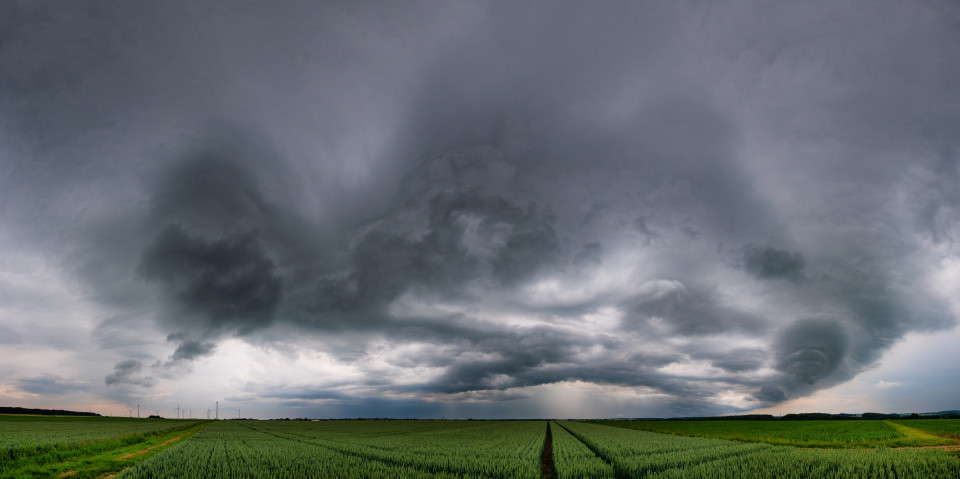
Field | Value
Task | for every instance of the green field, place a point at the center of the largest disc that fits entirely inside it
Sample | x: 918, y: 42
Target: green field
x: 634, y: 453
x: 104, y: 447
x: 824, y: 434
x: 45, y: 446
x: 938, y: 427
x: 372, y: 449
x: 32, y: 432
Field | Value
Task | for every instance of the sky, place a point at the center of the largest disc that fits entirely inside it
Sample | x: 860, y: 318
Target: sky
x: 480, y: 209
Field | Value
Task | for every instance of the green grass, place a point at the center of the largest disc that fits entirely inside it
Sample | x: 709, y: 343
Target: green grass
x: 819, y: 434
x: 574, y: 460
x: 470, y: 449
x: 53, y: 445
x: 949, y: 428
x: 24, y: 433
x: 636, y: 453
x: 368, y: 449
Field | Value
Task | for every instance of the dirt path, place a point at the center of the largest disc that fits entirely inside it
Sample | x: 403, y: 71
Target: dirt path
x: 128, y: 456
x: 546, y: 459
x: 911, y: 432
x: 916, y: 433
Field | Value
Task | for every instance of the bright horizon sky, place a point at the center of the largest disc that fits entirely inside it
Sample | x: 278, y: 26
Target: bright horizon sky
x: 480, y: 209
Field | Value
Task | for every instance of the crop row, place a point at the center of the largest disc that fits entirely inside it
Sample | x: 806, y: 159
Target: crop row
x: 53, y: 439
x: 633, y: 453
x: 836, y: 433
x: 241, y: 449
x: 938, y: 427
x: 16, y: 433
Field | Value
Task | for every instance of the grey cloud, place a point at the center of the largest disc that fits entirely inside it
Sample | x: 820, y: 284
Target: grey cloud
x: 9, y: 336
x: 771, y: 263
x: 770, y: 395
x: 48, y: 385
x: 442, y: 242
x: 211, y: 188
x: 228, y: 282
x: 688, y: 312
x: 306, y: 394
x: 467, y: 158
x: 737, y: 360
x: 590, y: 254
x: 647, y: 234
x: 190, y: 350
x: 810, y: 350
x: 128, y: 372
x: 591, y: 217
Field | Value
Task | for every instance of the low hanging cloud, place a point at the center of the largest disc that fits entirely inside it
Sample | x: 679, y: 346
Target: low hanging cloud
x: 698, y: 207
x: 50, y: 385
x: 771, y: 263
x: 222, y: 284
x: 190, y: 350
x: 128, y: 372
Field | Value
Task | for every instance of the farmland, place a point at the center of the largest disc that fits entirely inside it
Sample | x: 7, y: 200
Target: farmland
x: 826, y: 434
x: 18, y: 432
x: 634, y: 453
x: 86, y: 446
x: 938, y: 427
x: 428, y: 449
x: 136, y: 449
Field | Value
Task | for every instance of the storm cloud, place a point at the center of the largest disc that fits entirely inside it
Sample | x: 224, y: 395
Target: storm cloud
x: 227, y: 282
x: 691, y: 208
x: 129, y: 372
x: 771, y: 263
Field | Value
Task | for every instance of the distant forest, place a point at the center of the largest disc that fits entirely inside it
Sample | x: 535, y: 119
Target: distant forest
x: 43, y: 412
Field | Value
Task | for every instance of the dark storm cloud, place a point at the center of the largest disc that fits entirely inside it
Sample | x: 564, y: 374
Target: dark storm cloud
x: 128, y: 372
x: 590, y: 254
x: 520, y: 195
x: 771, y: 263
x: 647, y: 235
x: 452, y: 239
x: 736, y: 360
x: 689, y: 312
x: 229, y: 282
x: 189, y: 350
x: 810, y: 350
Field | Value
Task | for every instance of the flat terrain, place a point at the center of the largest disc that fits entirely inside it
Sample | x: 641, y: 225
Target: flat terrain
x: 81, y: 447
x: 474, y: 449
x: 371, y: 449
x: 822, y: 434
x: 636, y: 453
x: 949, y: 428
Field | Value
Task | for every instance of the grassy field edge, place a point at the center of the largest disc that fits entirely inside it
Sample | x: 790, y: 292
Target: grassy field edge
x: 100, y: 458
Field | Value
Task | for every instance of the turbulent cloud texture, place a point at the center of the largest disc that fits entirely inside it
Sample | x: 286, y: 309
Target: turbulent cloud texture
x: 692, y: 208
